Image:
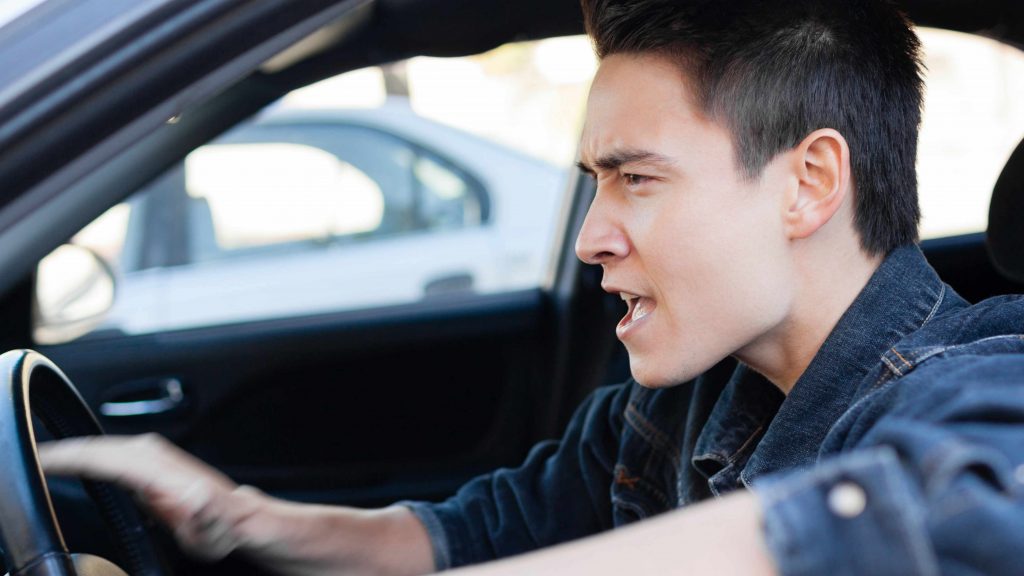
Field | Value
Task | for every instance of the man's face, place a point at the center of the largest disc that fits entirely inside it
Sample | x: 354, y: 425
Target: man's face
x: 698, y: 250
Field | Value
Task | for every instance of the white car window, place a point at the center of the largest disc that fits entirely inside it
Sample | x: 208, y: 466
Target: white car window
x: 379, y: 187
x: 255, y: 195
x: 302, y: 183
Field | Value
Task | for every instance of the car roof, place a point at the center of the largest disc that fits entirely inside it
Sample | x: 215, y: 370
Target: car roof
x: 399, y: 29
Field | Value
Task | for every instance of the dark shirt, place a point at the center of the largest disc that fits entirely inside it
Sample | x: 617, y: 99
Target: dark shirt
x: 900, y: 450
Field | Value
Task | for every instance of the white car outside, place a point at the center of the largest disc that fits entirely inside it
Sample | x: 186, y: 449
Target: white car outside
x: 505, y: 245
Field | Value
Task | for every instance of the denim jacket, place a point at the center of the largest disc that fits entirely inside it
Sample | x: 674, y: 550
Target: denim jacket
x: 900, y: 450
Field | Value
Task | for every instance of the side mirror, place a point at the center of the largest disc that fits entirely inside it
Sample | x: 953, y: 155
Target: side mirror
x: 74, y: 290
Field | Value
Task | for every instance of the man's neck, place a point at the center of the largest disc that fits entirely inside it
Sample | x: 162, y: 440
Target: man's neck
x: 829, y: 280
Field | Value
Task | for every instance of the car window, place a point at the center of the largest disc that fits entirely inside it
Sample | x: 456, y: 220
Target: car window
x: 424, y: 178
x: 243, y: 198
x: 973, y: 119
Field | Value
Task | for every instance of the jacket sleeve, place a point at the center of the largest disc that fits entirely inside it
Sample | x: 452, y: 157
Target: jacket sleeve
x: 561, y: 492
x: 929, y: 480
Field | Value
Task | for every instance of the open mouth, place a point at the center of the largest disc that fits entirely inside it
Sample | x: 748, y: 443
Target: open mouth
x: 639, y: 308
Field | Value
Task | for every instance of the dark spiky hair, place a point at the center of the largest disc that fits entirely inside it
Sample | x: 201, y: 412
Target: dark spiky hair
x: 773, y: 71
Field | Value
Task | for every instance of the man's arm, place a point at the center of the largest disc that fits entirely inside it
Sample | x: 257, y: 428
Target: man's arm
x: 313, y: 540
x: 721, y: 538
x: 211, y: 516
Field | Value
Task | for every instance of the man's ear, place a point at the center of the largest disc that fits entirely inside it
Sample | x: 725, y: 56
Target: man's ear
x: 822, y: 169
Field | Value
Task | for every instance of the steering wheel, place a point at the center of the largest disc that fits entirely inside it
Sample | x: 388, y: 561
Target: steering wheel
x: 30, y: 537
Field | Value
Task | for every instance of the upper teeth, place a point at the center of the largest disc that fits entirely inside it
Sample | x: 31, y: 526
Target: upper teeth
x: 626, y: 297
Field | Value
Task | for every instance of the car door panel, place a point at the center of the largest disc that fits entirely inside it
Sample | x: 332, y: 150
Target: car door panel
x: 348, y: 408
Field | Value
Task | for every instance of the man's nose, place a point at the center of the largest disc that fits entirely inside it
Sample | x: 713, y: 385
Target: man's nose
x: 602, y: 237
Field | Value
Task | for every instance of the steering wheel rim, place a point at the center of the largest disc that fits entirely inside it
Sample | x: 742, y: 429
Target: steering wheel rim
x: 30, y: 535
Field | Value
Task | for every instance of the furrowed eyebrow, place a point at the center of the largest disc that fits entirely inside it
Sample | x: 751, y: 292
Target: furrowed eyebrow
x: 586, y: 169
x: 618, y: 158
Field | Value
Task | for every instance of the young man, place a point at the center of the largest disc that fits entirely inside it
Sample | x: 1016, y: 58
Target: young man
x: 806, y: 390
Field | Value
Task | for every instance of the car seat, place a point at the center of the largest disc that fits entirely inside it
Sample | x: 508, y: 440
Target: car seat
x: 202, y: 238
x: 1005, y: 234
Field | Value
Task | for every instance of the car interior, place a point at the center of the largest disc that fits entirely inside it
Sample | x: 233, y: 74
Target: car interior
x: 357, y: 407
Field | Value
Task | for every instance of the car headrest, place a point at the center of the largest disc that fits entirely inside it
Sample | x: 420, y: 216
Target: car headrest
x: 1006, y: 218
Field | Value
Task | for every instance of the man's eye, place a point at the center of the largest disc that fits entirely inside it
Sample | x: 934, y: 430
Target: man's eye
x: 634, y: 179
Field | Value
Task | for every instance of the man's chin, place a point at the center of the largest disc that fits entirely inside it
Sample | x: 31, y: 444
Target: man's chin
x: 652, y: 375
x: 654, y: 378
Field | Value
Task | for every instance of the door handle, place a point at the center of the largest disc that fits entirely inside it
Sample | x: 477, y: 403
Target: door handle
x: 456, y: 282
x: 168, y: 397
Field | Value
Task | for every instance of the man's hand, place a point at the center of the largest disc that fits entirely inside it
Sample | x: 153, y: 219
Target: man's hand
x: 211, y: 516
x: 206, y: 510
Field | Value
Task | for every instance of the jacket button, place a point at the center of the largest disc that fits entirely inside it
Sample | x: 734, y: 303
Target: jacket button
x: 847, y: 500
